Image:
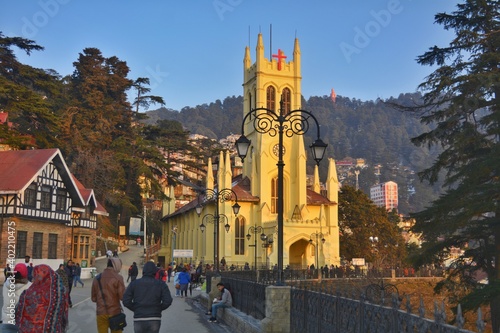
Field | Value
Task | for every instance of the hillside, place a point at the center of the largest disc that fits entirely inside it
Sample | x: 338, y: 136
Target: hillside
x: 372, y: 130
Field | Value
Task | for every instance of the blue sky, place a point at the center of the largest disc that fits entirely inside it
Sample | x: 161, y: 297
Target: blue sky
x: 192, y: 51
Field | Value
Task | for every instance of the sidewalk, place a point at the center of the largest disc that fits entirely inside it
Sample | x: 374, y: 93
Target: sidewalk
x: 184, y: 315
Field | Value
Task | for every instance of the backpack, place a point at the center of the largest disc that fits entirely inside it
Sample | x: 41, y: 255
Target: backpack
x: 160, y: 274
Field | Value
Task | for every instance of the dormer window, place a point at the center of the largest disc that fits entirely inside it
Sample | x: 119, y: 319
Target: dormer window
x: 46, y: 197
x: 30, y: 196
x: 61, y: 200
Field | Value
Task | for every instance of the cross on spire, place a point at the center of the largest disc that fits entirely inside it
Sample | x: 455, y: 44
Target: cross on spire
x: 280, y: 56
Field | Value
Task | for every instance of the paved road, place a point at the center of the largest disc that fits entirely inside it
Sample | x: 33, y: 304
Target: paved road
x: 184, y: 315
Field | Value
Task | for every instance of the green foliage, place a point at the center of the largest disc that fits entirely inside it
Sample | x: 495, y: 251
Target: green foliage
x: 88, y: 117
x: 360, y: 219
x: 371, y: 130
x: 461, y: 104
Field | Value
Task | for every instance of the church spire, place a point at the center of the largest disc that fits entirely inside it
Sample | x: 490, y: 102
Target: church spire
x: 210, y: 175
x: 296, y: 56
x: 247, y: 60
x: 259, y: 49
x: 332, y: 182
x: 316, y: 187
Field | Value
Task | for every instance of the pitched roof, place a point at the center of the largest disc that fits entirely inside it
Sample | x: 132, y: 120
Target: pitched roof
x: 89, y: 198
x: 241, y: 186
x: 19, y: 168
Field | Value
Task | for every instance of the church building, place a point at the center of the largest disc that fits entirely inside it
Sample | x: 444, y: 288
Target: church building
x: 249, y: 235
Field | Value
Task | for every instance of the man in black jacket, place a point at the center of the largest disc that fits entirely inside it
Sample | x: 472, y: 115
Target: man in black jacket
x: 147, y: 297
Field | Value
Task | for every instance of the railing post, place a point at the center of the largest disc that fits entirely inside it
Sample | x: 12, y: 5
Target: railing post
x: 277, y: 310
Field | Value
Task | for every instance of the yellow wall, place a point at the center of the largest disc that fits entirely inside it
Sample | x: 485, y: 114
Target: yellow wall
x: 260, y: 167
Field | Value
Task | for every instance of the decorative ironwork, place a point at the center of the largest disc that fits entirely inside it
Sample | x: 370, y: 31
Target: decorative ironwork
x: 294, y: 122
x: 219, y: 196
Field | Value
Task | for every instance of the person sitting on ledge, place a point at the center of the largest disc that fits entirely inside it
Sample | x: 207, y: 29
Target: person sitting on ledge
x: 225, y: 301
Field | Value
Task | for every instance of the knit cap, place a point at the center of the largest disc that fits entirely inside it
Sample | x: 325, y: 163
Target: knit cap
x: 21, y: 269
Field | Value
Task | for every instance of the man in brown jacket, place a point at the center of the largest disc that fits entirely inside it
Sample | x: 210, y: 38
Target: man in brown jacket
x: 113, y: 288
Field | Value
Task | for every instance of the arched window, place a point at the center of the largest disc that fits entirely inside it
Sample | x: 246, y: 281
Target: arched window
x: 271, y: 98
x: 274, y: 195
x: 287, y: 101
x: 239, y: 236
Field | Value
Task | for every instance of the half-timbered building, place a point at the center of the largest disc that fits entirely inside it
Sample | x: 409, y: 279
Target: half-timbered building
x: 45, y: 212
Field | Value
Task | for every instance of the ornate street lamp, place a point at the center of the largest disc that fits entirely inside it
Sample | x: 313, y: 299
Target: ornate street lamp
x: 256, y: 230
x: 218, y: 196
x: 295, y: 122
x: 318, y: 236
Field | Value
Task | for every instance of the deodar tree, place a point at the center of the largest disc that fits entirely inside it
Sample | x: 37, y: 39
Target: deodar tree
x: 461, y: 103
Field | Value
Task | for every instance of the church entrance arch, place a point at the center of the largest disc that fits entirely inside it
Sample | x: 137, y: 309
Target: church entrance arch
x: 298, y: 254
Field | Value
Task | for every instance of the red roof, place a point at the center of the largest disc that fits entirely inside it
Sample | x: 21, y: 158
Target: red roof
x: 89, y: 197
x: 241, y: 186
x: 18, y: 168
x: 3, y: 117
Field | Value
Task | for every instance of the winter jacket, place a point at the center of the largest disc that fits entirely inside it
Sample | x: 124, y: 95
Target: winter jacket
x: 147, y: 297
x: 184, y: 277
x: 226, y: 297
x: 113, y: 288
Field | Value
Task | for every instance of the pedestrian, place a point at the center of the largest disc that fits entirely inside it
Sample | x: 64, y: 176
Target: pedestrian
x: 224, y: 301
x: 113, y: 288
x: 147, y: 297
x: 109, y: 254
x: 177, y: 284
x: 133, y: 271
x: 70, y: 272
x: 169, y: 271
x: 15, y: 283
x: 184, y: 279
x: 30, y: 272
x: 128, y: 273
x: 6, y: 270
x: 115, y: 254
x: 161, y: 274
x: 223, y: 263
x: 61, y: 272
x: 27, y: 260
x: 43, y: 307
x: 77, y: 277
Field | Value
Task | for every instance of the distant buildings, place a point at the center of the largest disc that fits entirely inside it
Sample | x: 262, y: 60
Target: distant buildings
x: 385, y: 195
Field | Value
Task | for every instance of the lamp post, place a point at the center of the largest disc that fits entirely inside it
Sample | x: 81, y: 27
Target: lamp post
x: 267, y: 243
x: 256, y: 230
x: 145, y: 233
x: 374, y: 241
x: 174, y: 236
x: 295, y: 122
x: 318, y: 236
x: 218, y: 196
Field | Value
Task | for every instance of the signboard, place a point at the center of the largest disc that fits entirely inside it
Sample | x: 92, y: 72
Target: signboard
x: 135, y: 226
x: 84, y: 263
x: 122, y: 230
x: 183, y: 253
x: 358, y: 261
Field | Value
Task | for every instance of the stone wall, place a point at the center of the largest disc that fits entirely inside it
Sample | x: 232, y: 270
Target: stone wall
x: 277, y: 312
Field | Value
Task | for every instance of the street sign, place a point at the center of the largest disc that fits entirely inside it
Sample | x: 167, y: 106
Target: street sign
x: 358, y: 261
x: 183, y: 253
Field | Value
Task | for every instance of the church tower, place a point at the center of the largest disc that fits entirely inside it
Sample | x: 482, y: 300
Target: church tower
x: 273, y: 84
x: 310, y: 213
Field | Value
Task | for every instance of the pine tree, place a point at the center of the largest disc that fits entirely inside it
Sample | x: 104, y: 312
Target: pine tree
x: 462, y: 103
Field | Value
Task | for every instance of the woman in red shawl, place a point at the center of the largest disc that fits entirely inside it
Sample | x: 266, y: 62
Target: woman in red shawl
x: 43, y: 307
